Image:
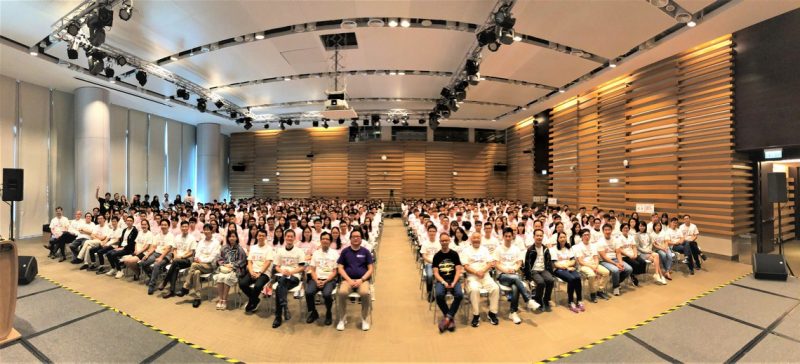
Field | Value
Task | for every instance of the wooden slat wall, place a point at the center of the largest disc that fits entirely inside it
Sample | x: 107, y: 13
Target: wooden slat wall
x: 329, y: 165
x: 520, y: 164
x: 356, y: 171
x: 293, y: 164
x: 241, y: 183
x: 787, y: 212
x: 439, y: 172
x: 673, y: 122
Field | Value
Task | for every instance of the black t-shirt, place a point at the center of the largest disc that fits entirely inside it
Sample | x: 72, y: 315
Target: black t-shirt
x: 105, y: 205
x: 446, y: 262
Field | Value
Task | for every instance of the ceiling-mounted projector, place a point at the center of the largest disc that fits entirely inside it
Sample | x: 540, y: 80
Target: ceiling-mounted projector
x: 336, y: 106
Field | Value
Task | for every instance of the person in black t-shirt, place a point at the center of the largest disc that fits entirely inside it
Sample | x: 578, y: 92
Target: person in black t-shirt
x: 105, y: 202
x: 447, y: 270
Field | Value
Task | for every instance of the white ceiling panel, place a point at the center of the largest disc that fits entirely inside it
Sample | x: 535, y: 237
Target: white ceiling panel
x: 28, y: 21
x: 535, y: 64
x: 606, y: 28
x: 475, y: 111
x: 504, y: 93
x: 694, y: 6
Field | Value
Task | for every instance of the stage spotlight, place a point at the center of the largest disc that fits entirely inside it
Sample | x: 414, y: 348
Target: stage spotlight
x: 201, y: 104
x: 105, y: 17
x: 121, y: 61
x: 446, y: 93
x: 354, y: 123
x: 126, y: 11
x: 96, y: 66
x: 283, y: 127
x: 315, y: 124
x: 296, y: 122
x: 325, y: 125
x: 234, y: 114
x: 472, y: 67
x: 503, y: 17
x: 141, y: 76
x: 72, y: 53
x: 73, y: 28
x: 486, y: 37
x: 266, y: 125
x: 219, y: 104
x: 366, y: 122
x: 376, y: 119
x: 341, y: 121
x: 182, y: 93
x: 394, y: 121
x: 109, y: 72
x: 505, y: 36
x: 239, y: 120
x: 248, y: 125
x: 421, y: 121
x: 97, y: 36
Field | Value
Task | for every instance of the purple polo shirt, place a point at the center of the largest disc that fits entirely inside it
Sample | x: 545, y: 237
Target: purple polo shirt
x: 355, y: 262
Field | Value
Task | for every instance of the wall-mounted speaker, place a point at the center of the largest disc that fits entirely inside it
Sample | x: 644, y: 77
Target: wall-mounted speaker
x: 776, y: 187
x: 238, y: 167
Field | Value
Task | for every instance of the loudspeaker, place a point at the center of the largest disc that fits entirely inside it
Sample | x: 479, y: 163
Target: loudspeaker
x: 12, y: 184
x: 769, y: 266
x: 776, y: 187
x: 238, y: 168
x: 500, y: 168
x: 28, y: 269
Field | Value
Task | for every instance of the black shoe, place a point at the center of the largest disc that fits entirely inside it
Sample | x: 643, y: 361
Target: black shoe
x: 196, y: 303
x: 286, y: 315
x: 547, y: 308
x: 313, y: 316
x: 62, y: 259
x: 704, y: 257
x: 476, y: 320
x: 691, y: 271
x: 92, y: 268
x: 277, y: 323
x: 593, y: 298
x: 161, y: 286
x: 75, y: 261
x: 182, y: 292
x: 85, y: 266
x: 101, y: 270
x: 635, y: 281
x: 493, y: 319
x: 135, y: 277
x: 252, y: 306
x: 603, y: 295
x: 168, y: 294
x: 150, y: 290
x: 328, y: 319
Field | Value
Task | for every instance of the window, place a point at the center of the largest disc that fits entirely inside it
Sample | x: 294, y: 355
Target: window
x: 364, y: 133
x: 419, y: 133
x: 451, y: 135
x: 490, y: 136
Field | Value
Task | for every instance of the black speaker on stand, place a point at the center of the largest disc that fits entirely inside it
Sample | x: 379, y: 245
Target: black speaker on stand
x: 12, y: 192
x: 767, y: 266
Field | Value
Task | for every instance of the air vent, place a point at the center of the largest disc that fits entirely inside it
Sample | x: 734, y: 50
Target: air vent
x: 339, y: 40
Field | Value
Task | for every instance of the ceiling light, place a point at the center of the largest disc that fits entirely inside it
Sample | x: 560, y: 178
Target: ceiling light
x: 173, y: 58
x: 265, y: 180
x: 405, y: 23
x: 691, y: 24
x: 426, y: 23
x: 266, y: 125
x: 34, y: 52
x: 109, y: 72
x: 659, y: 3
x: 341, y: 121
x: 311, y: 27
x: 375, y: 22
x: 73, y: 28
x: 421, y: 121
x: 287, y: 78
x: 393, y: 22
x: 182, y: 93
x: 126, y: 11
x: 219, y: 104
x: 121, y: 61
x: 683, y: 17
x: 349, y: 24
x: 561, y: 90
x: 248, y: 125
x: 315, y: 123
x: 517, y: 38
x: 392, y: 73
x: 494, y: 119
x: 401, y: 73
x: 201, y: 104
x: 141, y: 76
x: 112, y: 80
x: 613, y: 180
x: 259, y: 35
x: 503, y: 17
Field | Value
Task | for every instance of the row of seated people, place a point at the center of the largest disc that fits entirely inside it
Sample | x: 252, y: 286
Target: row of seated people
x: 538, y: 250
x: 255, y: 257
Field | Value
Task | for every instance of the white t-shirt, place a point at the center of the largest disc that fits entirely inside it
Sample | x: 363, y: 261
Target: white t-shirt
x: 143, y: 239
x: 162, y: 241
x: 114, y: 234
x: 538, y: 264
x: 324, y: 262
x: 85, y: 226
x: 562, y: 255
x: 430, y: 248
x: 490, y: 243
x: 674, y: 235
x: 595, y: 235
x: 101, y: 231
x: 206, y: 251
x: 585, y: 253
x: 290, y: 259
x: 59, y: 226
x: 507, y: 258
x: 184, y: 244
x: 476, y: 259
x: 609, y: 246
x: 259, y: 255
x: 688, y: 230
x: 626, y: 244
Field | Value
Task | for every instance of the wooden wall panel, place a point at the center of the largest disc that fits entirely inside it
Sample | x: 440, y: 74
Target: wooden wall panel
x: 439, y: 173
x: 497, y: 181
x: 414, y: 169
x: 787, y: 212
x: 242, y: 152
x: 293, y: 164
x: 329, y: 165
x: 673, y: 122
x: 520, y: 161
x: 471, y: 175
x: 357, y: 171
x: 384, y: 176
x: 266, y: 145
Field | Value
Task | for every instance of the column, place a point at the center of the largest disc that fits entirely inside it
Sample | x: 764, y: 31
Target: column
x: 209, y: 168
x: 92, y: 145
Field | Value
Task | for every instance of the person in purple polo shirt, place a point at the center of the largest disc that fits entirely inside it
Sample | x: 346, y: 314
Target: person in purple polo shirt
x: 355, y: 268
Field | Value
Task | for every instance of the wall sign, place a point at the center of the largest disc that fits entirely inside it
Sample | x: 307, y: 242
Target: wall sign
x: 645, y: 208
x: 552, y: 201
x: 774, y: 153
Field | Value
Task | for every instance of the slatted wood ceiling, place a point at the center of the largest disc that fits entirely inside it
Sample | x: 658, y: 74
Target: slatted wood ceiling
x: 673, y: 122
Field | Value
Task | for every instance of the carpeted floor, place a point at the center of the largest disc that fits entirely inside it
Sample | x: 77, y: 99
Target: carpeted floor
x: 402, y: 327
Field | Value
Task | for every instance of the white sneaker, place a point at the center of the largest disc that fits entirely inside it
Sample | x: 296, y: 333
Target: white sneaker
x: 364, y: 324
x: 657, y: 277
x: 120, y: 274
x: 514, y: 318
x: 340, y: 325
x: 616, y: 291
x: 111, y: 272
x: 532, y: 305
x: 663, y: 280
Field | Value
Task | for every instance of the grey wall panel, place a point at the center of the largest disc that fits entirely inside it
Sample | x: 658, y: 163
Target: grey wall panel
x: 118, y: 168
x: 174, y: 146
x: 137, y: 153
x: 189, y: 159
x: 62, y: 153
x: 33, y: 158
x: 155, y: 157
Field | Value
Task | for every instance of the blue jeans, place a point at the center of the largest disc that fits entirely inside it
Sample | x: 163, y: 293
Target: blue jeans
x: 617, y: 275
x: 573, y: 279
x: 428, y: 277
x: 517, y: 288
x: 458, y: 295
x: 666, y: 259
x: 284, y: 285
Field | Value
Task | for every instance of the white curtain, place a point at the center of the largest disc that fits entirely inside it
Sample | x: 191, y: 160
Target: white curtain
x: 34, y: 111
x: 137, y: 153
x: 118, y: 170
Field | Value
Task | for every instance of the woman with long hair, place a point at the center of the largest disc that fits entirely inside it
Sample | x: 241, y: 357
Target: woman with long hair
x: 232, y: 263
x: 565, y: 269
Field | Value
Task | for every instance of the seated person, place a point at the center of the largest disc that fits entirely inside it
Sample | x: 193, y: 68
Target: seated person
x: 477, y: 262
x: 259, y: 260
x: 159, y: 256
x: 509, y: 259
x: 289, y: 266
x: 610, y: 258
x: 661, y: 246
x: 205, y: 254
x: 58, y: 226
x: 630, y: 253
x: 113, y: 241
x: 565, y: 269
x: 185, y: 246
x: 100, y: 235
x: 322, y: 275
x: 126, y: 246
x: 589, y: 265
x: 447, y: 270
x: 644, y: 244
x: 85, y: 230
x: 538, y: 265
x: 355, y: 267
x: 429, y: 245
x: 231, y: 264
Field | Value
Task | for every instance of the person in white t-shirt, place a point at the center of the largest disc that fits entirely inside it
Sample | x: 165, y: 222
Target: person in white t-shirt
x: 206, y: 253
x: 85, y: 229
x: 589, y: 265
x: 629, y: 249
x: 689, y: 232
x: 289, y: 267
x: 509, y: 259
x: 144, y: 240
x: 477, y: 262
x: 321, y: 274
x: 565, y: 268
x: 184, y: 245
x: 99, y: 236
x: 678, y: 243
x: 488, y: 239
x: 259, y: 260
x: 661, y: 246
x: 159, y: 255
x: 608, y: 247
x: 58, y: 225
x: 99, y: 252
x: 429, y: 245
